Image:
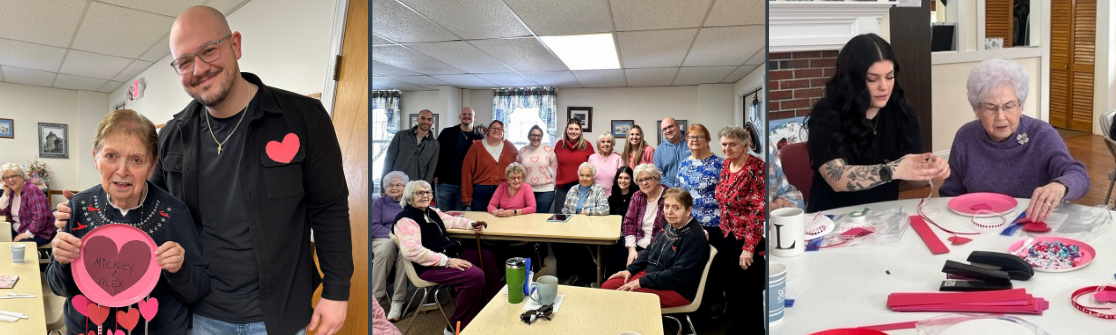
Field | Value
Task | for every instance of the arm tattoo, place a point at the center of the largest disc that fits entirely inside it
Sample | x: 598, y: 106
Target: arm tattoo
x: 864, y: 177
x: 836, y: 169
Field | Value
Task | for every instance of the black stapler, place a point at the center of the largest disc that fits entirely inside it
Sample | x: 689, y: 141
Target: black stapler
x: 1016, y: 267
x: 965, y: 277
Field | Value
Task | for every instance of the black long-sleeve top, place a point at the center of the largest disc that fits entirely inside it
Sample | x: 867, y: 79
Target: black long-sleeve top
x: 674, y: 260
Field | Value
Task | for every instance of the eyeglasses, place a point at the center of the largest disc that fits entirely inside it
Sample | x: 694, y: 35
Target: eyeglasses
x: 395, y: 185
x: 543, y: 312
x: 993, y: 109
x: 534, y: 136
x: 208, y: 53
x: 644, y: 180
x: 421, y: 194
x: 11, y: 177
x: 668, y: 127
x: 695, y: 138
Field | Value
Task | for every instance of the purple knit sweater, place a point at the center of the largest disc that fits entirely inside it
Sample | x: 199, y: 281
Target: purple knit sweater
x: 384, y: 211
x: 979, y: 165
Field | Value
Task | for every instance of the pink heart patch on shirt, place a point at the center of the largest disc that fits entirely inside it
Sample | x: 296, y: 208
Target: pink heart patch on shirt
x: 284, y: 151
x: 534, y: 180
x: 535, y: 159
x: 528, y: 169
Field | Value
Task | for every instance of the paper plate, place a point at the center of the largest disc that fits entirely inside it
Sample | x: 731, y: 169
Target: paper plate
x: 818, y: 227
x: 989, y: 326
x: 987, y: 204
x: 112, y: 281
x: 1087, y: 252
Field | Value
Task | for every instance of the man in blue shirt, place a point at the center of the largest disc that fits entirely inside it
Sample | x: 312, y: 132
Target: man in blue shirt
x: 670, y: 154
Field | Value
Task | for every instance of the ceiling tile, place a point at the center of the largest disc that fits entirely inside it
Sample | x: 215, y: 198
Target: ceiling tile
x: 78, y: 83
x: 225, y: 6
x: 510, y: 79
x: 160, y: 49
x: 376, y: 40
x: 651, y: 77
x: 737, y: 13
x: 399, y: 56
x: 44, y: 22
x: 556, y: 79
x: 132, y: 70
x: 421, y: 80
x: 660, y: 48
x: 726, y: 45
x: 388, y: 70
x: 689, y: 76
x: 118, y: 31
x: 166, y: 7
x: 110, y: 86
x: 395, y: 22
x: 472, y: 20
x: 27, y: 77
x: 600, y: 78
x: 740, y: 72
x: 92, y: 65
x: 465, y: 81
x: 759, y: 58
x: 567, y: 17
x: 522, y: 54
x: 30, y: 55
x: 658, y: 14
x: 461, y: 55
x: 381, y: 83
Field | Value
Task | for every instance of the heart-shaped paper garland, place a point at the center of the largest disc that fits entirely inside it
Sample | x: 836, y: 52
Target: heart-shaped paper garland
x: 148, y: 308
x: 80, y: 303
x: 97, y: 313
x: 128, y: 319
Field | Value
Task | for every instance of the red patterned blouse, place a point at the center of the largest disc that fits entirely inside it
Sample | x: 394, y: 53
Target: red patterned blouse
x: 740, y: 195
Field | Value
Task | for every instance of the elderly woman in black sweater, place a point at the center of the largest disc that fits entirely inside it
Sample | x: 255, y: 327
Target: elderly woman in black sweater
x: 672, y: 265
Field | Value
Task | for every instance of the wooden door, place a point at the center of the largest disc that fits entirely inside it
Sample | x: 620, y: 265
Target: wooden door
x: 999, y: 20
x: 1072, y: 62
x: 350, y: 119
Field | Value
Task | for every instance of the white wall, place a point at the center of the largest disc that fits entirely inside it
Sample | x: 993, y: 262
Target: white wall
x: 745, y: 85
x: 286, y: 43
x: 951, y: 104
x: 28, y: 105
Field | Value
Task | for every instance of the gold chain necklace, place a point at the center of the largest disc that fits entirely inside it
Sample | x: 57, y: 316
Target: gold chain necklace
x: 874, y: 124
x: 221, y: 144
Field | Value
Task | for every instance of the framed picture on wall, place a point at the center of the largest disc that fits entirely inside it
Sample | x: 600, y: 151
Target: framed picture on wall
x: 7, y: 128
x: 52, y: 140
x: 682, y: 124
x: 585, y: 114
x: 620, y: 128
x: 414, y: 121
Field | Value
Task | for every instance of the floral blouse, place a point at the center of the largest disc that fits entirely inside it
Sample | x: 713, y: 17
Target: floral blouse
x: 742, y: 202
x: 700, y: 178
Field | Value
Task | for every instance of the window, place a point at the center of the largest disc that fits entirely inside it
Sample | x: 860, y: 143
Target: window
x: 380, y: 140
x: 519, y: 126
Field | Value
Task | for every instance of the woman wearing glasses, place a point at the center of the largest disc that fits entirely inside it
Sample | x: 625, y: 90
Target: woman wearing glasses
x: 385, y: 256
x: 540, y: 163
x: 863, y: 132
x: 484, y: 166
x: 424, y: 241
x: 699, y: 175
x: 1004, y: 145
x: 572, y: 150
x: 644, y: 219
x: 26, y: 206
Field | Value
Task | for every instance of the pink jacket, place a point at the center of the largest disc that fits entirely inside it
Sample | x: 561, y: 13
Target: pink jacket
x: 523, y: 199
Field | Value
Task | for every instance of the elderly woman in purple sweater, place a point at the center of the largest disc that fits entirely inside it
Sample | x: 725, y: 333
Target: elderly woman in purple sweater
x: 1006, y: 152
x: 385, y: 255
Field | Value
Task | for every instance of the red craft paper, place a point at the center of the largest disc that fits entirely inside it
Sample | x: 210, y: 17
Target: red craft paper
x: 892, y: 326
x: 932, y: 241
x: 906, y: 299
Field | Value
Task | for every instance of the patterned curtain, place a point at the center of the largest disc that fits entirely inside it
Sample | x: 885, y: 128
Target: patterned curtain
x: 389, y: 101
x: 506, y: 100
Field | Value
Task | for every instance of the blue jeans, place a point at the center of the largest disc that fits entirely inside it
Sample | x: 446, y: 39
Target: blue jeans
x: 449, y: 197
x: 482, y: 194
x: 207, y: 326
x: 543, y: 201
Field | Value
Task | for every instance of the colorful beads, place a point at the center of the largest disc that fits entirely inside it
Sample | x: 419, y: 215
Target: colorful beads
x: 1054, y: 255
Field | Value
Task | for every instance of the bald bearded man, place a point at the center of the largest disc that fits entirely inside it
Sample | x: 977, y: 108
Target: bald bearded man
x: 258, y: 167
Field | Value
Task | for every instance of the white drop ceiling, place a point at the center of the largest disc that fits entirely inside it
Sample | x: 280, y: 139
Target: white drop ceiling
x: 91, y: 45
x: 481, y: 44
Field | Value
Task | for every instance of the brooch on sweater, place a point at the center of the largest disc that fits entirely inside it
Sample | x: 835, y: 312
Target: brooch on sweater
x: 1021, y: 138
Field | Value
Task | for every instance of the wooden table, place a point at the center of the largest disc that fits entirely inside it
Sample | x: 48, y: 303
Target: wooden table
x: 29, y: 283
x: 581, y: 229
x: 584, y: 311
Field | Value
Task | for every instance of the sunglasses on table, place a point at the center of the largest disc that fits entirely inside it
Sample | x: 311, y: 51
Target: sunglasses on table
x: 543, y: 312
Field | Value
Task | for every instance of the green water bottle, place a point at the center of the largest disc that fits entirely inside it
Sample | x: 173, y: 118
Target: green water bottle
x: 516, y: 268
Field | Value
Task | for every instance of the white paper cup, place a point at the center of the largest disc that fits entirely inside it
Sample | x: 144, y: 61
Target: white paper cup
x: 18, y: 251
x: 776, y: 293
x: 788, y: 231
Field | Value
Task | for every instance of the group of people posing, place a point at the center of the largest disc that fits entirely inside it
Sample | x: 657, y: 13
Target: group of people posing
x: 864, y: 136
x: 676, y: 200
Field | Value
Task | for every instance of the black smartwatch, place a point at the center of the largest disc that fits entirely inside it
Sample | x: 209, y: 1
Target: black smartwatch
x: 885, y: 173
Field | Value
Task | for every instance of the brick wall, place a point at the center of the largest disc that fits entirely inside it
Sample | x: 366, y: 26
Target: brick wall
x: 796, y: 80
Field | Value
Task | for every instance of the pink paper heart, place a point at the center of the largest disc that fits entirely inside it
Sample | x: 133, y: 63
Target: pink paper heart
x: 148, y: 308
x: 118, y: 332
x: 1105, y: 296
x: 1036, y: 227
x: 98, y: 314
x: 80, y: 302
x: 284, y: 151
x: 956, y: 240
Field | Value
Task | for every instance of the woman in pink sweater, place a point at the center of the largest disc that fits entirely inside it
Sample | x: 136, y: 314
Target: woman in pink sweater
x: 636, y: 150
x: 513, y: 197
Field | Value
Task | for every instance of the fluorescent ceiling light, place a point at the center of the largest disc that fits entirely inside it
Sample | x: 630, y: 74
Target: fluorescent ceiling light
x: 584, y: 52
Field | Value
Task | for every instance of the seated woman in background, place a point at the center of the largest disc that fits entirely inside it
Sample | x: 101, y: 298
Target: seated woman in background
x: 587, y: 197
x: 385, y: 255
x: 863, y: 132
x: 26, y: 207
x: 1005, y: 152
x: 780, y: 192
x: 644, y: 219
x: 439, y: 258
x: 606, y: 161
x: 513, y: 197
x: 674, y: 262
x: 622, y: 191
x: 699, y: 175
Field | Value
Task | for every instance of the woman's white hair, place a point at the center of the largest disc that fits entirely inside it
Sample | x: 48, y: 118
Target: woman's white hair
x: 408, y: 198
x: 515, y: 168
x: 650, y: 169
x: 992, y: 73
x: 589, y: 166
x: 606, y: 135
x: 396, y: 175
x: 14, y: 168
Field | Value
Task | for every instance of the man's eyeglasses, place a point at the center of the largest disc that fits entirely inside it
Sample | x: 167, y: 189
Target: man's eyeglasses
x: 208, y: 53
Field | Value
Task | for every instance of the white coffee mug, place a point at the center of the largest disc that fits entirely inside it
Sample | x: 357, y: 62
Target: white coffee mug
x: 788, y: 232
